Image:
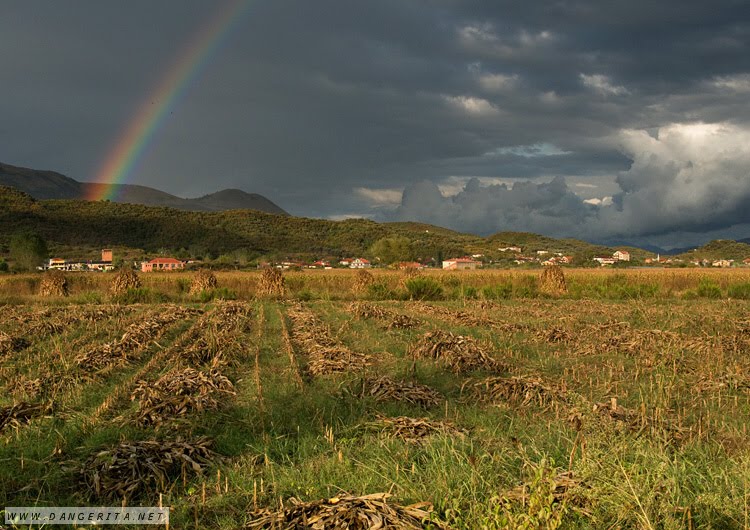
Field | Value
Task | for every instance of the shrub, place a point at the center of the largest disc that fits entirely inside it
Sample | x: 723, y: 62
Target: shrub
x: 380, y: 291
x: 740, y: 291
x: 424, y: 289
x: 503, y: 291
x: 3, y: 266
x: 708, y: 289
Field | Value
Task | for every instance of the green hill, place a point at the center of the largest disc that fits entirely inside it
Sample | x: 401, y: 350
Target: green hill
x: 81, y: 228
x: 718, y: 249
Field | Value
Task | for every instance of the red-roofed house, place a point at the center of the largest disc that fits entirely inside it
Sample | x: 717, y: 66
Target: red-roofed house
x: 162, y: 264
x: 360, y: 263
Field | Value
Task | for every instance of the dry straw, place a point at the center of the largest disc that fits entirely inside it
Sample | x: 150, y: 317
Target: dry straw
x: 204, y: 280
x: 362, y: 281
x: 552, y: 281
x: 345, y: 511
x: 271, y: 283
x: 124, y: 280
x: 132, y: 469
x: 179, y: 393
x: 54, y: 283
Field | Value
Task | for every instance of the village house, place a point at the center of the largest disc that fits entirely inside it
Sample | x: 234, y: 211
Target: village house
x: 621, y: 255
x: 459, y: 264
x: 605, y: 260
x: 346, y: 262
x: 162, y: 264
x: 409, y: 265
x: 510, y: 249
x: 105, y: 264
x: 746, y: 261
x: 360, y: 263
x: 722, y: 263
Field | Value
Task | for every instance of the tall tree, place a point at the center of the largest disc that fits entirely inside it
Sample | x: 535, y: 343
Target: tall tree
x: 27, y: 250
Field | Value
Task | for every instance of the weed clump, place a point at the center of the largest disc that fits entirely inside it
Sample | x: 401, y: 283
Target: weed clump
x: 423, y: 289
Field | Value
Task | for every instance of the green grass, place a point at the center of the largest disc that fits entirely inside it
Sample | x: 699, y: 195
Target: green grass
x: 280, y: 441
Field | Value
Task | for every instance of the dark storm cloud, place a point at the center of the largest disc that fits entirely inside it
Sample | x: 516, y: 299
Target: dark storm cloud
x: 332, y: 108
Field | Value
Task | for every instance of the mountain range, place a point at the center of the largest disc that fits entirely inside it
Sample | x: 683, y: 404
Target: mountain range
x: 45, y: 185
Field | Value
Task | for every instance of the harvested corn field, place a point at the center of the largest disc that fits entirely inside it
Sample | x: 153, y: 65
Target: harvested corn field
x: 283, y: 413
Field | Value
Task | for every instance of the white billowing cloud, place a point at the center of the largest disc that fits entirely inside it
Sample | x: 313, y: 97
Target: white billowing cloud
x: 380, y: 197
x: 686, y: 176
x: 602, y: 84
x: 683, y: 178
x: 545, y: 207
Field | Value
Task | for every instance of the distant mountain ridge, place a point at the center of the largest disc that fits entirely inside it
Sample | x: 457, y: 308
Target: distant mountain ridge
x: 44, y: 185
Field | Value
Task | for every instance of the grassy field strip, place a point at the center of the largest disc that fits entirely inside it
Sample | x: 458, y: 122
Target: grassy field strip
x: 30, y: 373
x: 289, y: 347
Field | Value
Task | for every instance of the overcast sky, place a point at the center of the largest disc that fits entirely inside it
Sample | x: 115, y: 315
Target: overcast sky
x: 595, y: 119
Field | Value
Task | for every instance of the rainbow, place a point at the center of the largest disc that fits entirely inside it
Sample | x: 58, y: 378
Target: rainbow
x: 139, y: 133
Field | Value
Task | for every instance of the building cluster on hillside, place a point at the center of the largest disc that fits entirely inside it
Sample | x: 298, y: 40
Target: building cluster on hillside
x: 616, y: 257
x: 60, y: 264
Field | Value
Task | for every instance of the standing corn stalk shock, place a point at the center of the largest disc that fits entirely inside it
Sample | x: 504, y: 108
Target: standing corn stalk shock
x: 271, y: 283
x: 362, y: 281
x: 54, y: 283
x: 204, y: 280
x: 552, y: 281
x: 125, y: 279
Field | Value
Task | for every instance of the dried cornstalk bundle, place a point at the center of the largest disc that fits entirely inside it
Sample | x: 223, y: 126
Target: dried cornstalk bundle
x: 552, y: 281
x: 363, y: 310
x: 554, y: 335
x: 517, y: 389
x: 54, y: 283
x: 327, y: 355
x: 22, y: 385
x: 362, y: 281
x: 403, y: 322
x: 126, y: 279
x: 179, y: 393
x: 458, y: 353
x: 204, y: 280
x: 134, y: 469
x: 326, y: 361
x: 456, y: 315
x: 271, y: 283
x: 137, y: 336
x: 10, y: 344
x: 413, y: 430
x: 345, y: 512
x: 20, y: 413
x: 387, y: 389
x: 213, y: 335
x: 394, y: 320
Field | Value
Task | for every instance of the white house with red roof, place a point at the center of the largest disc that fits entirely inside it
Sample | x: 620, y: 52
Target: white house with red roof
x: 360, y: 263
x: 162, y: 264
